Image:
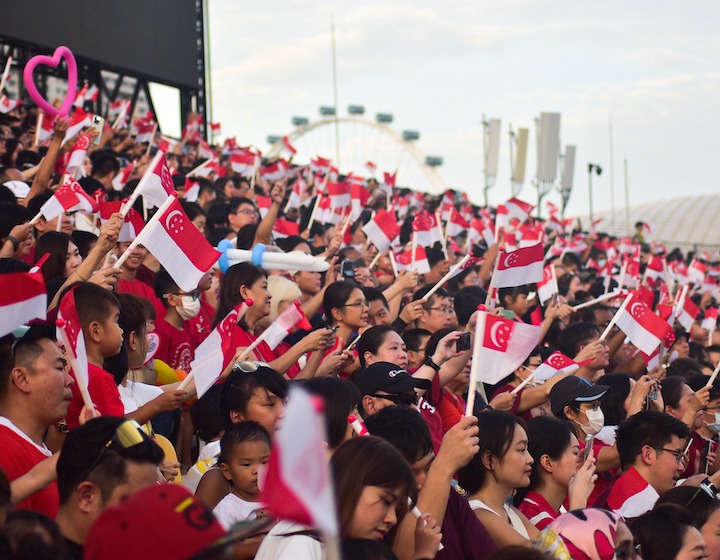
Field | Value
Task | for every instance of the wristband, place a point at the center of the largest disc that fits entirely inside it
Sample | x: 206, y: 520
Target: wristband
x: 429, y: 362
x: 14, y: 241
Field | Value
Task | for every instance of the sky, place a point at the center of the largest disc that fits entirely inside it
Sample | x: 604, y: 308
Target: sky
x: 650, y: 68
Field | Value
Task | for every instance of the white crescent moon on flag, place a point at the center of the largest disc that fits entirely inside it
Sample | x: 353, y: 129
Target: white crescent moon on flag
x: 555, y: 361
x: 494, y: 332
x: 546, y: 273
x: 510, y: 258
x: 640, y: 312
x: 170, y: 218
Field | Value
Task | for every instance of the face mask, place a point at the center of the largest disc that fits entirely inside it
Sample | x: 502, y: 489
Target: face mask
x: 602, y: 263
x: 190, y: 307
x: 714, y: 427
x: 596, y: 421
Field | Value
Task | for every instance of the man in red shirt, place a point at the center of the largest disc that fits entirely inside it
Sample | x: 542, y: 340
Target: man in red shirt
x: 34, y: 394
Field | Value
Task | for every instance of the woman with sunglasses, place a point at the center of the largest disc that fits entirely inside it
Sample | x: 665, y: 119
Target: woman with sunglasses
x: 372, y: 486
x: 243, y: 281
x: 492, y: 475
x: 252, y: 392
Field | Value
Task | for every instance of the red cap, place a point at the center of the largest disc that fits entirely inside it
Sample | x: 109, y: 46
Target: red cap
x: 159, y: 521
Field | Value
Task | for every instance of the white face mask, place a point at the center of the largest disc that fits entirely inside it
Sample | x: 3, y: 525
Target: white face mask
x: 190, y: 307
x: 596, y: 421
x: 714, y: 427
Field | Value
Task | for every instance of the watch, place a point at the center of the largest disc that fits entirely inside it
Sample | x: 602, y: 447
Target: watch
x: 429, y: 362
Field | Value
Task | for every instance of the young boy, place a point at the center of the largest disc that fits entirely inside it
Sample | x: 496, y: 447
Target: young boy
x: 176, y: 346
x: 243, y: 448
x: 98, y: 310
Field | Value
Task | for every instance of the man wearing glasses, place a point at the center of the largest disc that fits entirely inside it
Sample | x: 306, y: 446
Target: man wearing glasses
x: 652, y: 447
x: 384, y: 384
x: 34, y: 394
x: 242, y: 212
x: 437, y: 312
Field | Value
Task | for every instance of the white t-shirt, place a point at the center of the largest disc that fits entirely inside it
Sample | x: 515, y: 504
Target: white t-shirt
x: 278, y: 546
x: 135, y: 394
x: 233, y: 509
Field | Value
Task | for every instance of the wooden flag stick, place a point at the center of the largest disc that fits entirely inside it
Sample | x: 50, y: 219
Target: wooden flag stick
x: 612, y: 322
x: 152, y: 140
x: 376, y: 259
x: 599, y: 299
x: 80, y: 379
x: 714, y: 375
x: 520, y: 387
x: 394, y: 264
x: 475, y: 365
x: 143, y: 181
x: 6, y: 73
x: 449, y: 275
x: 38, y: 126
x: 140, y: 238
x: 413, y: 248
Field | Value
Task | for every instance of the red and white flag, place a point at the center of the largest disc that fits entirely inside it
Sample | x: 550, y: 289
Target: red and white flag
x: 244, y: 164
x: 456, y: 224
x: 215, y: 129
x: 709, y: 321
x: 519, y: 209
x: 288, y: 320
x: 371, y: 167
x: 297, y: 485
x: 547, y: 287
x: 116, y: 108
x: 69, y: 198
x: 480, y: 230
x: 157, y: 184
x: 655, y: 269
x: 132, y: 225
x: 77, y: 155
x: 70, y: 333
x: 205, y: 151
x: 146, y: 132
x: 687, y: 315
x: 295, y: 200
x: 556, y: 363
x: 22, y: 298
x: 389, y: 179
x: 284, y: 228
x: 519, y: 267
x: 320, y: 164
x: 339, y: 194
x: 359, y: 197
x: 78, y: 120
x: 287, y: 146
x: 47, y: 127
x: 697, y: 271
x: 276, y: 171
x: 382, y: 230
x: 123, y: 176
x: 7, y: 104
x: 404, y: 260
x: 177, y: 244
x: 263, y: 203
x: 192, y: 189
x: 644, y: 329
x: 216, y: 352
x: 92, y: 93
x: 80, y: 97
x: 426, y: 229
x: 505, y: 345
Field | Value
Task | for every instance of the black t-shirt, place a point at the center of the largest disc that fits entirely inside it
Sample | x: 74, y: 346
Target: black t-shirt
x: 74, y: 550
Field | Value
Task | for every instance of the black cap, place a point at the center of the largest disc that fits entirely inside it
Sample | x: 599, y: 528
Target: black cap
x: 384, y: 376
x: 574, y: 389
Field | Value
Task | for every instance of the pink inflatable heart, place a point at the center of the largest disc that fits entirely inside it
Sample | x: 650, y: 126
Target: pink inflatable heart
x: 53, y: 61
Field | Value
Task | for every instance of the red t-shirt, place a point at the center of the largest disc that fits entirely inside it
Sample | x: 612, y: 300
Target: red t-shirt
x: 103, y: 392
x: 141, y: 289
x: 175, y: 346
x: 604, y: 480
x: 537, y: 509
x: 451, y: 409
x: 241, y: 338
x: 200, y: 326
x: 19, y: 455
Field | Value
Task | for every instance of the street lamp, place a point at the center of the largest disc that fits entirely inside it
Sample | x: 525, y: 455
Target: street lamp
x: 598, y: 171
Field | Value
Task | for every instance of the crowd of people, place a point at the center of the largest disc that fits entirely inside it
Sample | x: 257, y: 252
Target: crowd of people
x: 616, y: 459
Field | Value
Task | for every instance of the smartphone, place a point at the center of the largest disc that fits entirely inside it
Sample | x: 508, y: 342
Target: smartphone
x: 463, y: 343
x: 347, y: 269
x: 508, y: 314
x: 97, y: 123
x: 553, y: 300
x: 589, y: 441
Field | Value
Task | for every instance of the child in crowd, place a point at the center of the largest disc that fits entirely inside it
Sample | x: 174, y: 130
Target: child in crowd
x: 244, y: 448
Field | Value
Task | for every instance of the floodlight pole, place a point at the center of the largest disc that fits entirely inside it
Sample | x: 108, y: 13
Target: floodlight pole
x: 335, y: 93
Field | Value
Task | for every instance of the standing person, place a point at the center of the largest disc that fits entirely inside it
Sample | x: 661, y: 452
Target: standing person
x: 502, y: 465
x: 372, y: 486
x: 34, y: 395
x: 557, y: 472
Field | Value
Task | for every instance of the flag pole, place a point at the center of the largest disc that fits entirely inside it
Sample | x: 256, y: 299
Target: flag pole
x: 79, y: 378
x: 375, y: 259
x: 38, y: 126
x: 5, y: 74
x: 392, y: 261
x: 413, y: 249
x: 670, y: 285
x: 138, y: 240
x: 314, y: 212
x: 713, y: 376
x: 151, y: 143
x: 598, y: 299
x: 143, y: 181
x: 447, y: 277
x: 475, y: 365
x: 612, y: 322
x: 203, y: 165
x: 520, y: 387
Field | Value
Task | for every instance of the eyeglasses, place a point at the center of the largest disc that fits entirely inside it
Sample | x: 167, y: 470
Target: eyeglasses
x: 594, y: 405
x: 442, y: 309
x: 195, y: 295
x: 628, y: 552
x: 405, y: 399
x: 248, y: 366
x: 247, y: 212
x: 360, y: 304
x: 680, y: 456
x: 127, y: 435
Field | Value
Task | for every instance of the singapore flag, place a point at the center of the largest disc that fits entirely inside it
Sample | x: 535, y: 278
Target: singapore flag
x: 178, y: 245
x: 505, y: 346
x: 519, y: 267
x: 556, y: 363
x: 644, y: 329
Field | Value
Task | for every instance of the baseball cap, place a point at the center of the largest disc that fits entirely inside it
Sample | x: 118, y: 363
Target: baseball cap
x: 384, y: 376
x: 574, y: 389
x: 159, y: 521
